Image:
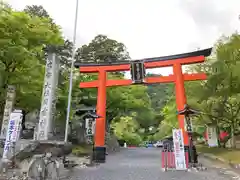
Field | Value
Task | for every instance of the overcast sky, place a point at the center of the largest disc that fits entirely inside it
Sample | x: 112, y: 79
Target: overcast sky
x: 147, y: 27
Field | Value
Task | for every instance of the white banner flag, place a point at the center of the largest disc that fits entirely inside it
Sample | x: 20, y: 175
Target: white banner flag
x: 13, y: 132
x: 179, y: 149
x: 212, y: 136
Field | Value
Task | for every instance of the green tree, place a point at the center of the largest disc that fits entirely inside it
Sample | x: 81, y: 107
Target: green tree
x: 36, y: 10
x: 64, y: 51
x: 102, y: 49
x: 125, y: 128
x: 218, y: 97
x: 121, y: 101
x: 22, y: 41
x: 170, y: 120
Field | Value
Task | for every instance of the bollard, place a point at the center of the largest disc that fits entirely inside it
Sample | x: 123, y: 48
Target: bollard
x: 173, y: 160
x: 187, y: 159
x: 125, y: 145
x: 168, y: 159
x: 163, y: 159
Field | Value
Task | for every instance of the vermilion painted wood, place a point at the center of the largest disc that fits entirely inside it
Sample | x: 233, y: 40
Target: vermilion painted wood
x: 149, y: 80
x: 99, y: 137
x: 184, y: 61
x: 180, y: 98
x: 176, y: 61
x: 168, y: 160
x: 92, y: 69
x: 126, y: 67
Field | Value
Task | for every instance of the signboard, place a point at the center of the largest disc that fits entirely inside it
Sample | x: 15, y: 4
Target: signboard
x: 46, y: 113
x: 212, y: 136
x: 179, y: 149
x: 138, y: 72
x: 90, y: 126
x: 7, y: 110
x: 13, y: 131
x: 188, y: 124
x: 17, y: 116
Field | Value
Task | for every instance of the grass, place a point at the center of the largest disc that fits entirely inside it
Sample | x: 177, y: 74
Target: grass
x: 82, y: 150
x: 230, y: 155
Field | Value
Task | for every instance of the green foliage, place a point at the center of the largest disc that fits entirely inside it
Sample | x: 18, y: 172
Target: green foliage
x: 26, y: 36
x: 121, y: 101
x: 102, y: 49
x: 82, y: 150
x: 39, y: 11
x: 125, y: 128
x: 22, y: 39
x: 170, y: 120
x: 217, y: 97
x: 158, y: 93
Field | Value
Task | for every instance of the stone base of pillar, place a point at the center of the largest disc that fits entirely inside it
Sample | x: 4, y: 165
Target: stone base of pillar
x: 99, y: 154
x: 51, y: 136
x: 186, y: 149
x: 194, y: 154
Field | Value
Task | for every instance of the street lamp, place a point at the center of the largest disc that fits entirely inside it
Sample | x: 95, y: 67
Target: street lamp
x: 71, y: 73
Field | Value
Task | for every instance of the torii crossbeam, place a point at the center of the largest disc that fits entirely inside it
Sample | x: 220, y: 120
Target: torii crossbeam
x: 178, y: 77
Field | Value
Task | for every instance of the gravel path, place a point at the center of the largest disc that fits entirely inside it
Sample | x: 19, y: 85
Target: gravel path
x: 143, y: 164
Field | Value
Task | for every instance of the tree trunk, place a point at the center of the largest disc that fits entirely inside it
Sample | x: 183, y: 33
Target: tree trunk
x: 218, y: 135
x: 233, y: 139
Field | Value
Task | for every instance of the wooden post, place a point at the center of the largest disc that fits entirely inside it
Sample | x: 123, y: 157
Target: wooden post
x: 180, y: 98
x: 99, y: 143
x: 102, y: 83
x: 181, y: 101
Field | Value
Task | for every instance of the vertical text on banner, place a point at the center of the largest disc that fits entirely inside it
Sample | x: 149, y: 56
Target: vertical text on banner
x: 13, y: 132
x: 179, y: 149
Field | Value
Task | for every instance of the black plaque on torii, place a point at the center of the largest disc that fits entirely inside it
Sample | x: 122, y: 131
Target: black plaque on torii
x: 138, y: 72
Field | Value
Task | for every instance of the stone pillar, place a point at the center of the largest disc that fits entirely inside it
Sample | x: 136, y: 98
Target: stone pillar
x: 11, y: 92
x: 56, y: 78
x: 45, y: 125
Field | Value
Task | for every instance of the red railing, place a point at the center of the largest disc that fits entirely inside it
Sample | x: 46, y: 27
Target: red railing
x: 168, y: 159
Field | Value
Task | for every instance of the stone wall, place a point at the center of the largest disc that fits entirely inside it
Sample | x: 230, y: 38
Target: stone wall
x: 31, y: 118
x: 229, y: 142
x: 112, y: 143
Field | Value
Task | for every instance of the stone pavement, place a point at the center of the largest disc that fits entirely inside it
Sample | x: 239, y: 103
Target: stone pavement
x: 144, y: 164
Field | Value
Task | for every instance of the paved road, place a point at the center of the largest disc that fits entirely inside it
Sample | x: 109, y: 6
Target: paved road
x: 142, y: 164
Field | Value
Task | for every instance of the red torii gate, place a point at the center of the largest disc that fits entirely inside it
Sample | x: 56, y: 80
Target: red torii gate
x: 176, y: 61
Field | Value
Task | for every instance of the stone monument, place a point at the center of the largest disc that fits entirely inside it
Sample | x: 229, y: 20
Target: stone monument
x: 45, y: 124
x: 7, y: 110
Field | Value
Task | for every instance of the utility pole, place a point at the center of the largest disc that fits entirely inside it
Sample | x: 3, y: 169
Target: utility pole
x: 71, y: 73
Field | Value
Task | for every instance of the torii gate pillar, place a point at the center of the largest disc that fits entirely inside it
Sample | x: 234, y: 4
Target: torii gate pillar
x: 175, y: 61
x: 180, y: 98
x: 99, y: 150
